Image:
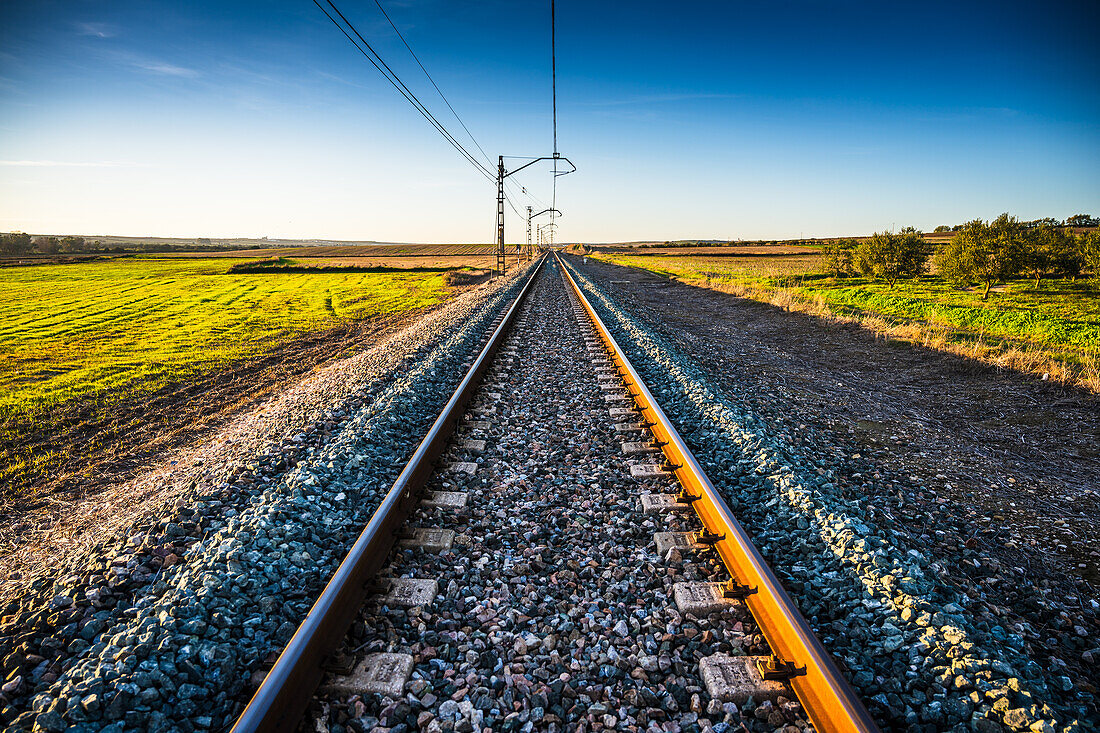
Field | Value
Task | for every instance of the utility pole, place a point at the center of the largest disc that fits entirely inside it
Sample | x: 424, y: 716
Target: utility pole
x: 500, y: 216
x: 528, y: 233
x: 501, y: 175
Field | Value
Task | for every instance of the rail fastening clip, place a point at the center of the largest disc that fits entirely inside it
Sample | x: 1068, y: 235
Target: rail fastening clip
x: 737, y: 591
x: 774, y: 668
x: 706, y: 537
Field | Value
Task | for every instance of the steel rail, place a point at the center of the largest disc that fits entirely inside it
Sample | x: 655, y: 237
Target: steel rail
x: 285, y: 693
x: 830, y: 702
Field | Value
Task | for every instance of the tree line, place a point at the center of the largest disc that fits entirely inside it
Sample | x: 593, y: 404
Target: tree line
x: 1077, y: 220
x: 980, y: 252
x: 20, y: 243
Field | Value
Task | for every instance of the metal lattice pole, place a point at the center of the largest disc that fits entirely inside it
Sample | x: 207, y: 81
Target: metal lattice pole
x: 501, y: 265
x: 528, y: 232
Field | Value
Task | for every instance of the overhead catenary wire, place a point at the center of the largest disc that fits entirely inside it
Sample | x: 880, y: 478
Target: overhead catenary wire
x: 383, y: 68
x: 376, y: 60
x: 554, y: 73
x: 525, y: 189
x: 449, y: 106
x: 542, y: 204
x: 436, y: 86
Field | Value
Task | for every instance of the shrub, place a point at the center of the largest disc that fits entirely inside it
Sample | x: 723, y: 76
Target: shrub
x: 838, y: 256
x: 465, y: 276
x: 891, y: 256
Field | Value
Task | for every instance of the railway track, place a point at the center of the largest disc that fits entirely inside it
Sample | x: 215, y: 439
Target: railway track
x: 553, y: 556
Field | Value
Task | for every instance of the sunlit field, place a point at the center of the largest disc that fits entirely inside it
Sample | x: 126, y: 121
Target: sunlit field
x: 120, y: 327
x: 1051, y: 329
x: 77, y: 339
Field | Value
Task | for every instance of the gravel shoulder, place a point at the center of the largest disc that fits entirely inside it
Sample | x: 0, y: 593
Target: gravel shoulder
x: 126, y: 488
x: 896, y: 461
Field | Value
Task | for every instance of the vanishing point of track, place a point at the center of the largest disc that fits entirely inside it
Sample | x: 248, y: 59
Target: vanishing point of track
x: 725, y: 585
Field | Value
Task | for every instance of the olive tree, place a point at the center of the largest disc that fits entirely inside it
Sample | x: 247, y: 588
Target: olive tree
x: 1037, y: 252
x: 892, y: 256
x: 47, y: 245
x: 983, y: 253
x: 1049, y: 250
x: 72, y: 244
x: 1067, y: 258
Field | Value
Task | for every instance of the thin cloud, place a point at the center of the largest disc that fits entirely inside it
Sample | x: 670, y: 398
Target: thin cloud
x: 146, y: 63
x: 159, y: 67
x: 340, y: 80
x: 68, y: 164
x: 96, y: 30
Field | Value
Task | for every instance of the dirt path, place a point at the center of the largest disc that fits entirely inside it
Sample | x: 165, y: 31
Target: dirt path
x: 1015, y: 459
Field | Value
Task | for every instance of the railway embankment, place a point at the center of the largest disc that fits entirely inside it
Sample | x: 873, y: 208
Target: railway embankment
x: 927, y: 638
x: 163, y: 618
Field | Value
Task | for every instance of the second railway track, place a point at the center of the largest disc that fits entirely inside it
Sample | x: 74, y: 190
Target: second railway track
x: 551, y: 579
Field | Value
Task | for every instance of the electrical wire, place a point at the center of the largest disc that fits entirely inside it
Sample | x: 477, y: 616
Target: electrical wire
x: 441, y: 95
x: 554, y: 72
x: 383, y: 68
x: 376, y: 60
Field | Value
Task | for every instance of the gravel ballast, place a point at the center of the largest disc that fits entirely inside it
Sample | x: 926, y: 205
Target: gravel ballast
x: 161, y: 627
x: 553, y: 609
x: 923, y: 655
x: 911, y: 643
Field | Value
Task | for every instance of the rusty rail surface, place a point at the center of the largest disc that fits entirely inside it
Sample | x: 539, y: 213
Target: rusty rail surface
x: 829, y: 701
x: 281, y: 700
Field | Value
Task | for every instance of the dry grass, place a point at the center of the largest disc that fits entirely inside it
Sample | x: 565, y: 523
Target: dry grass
x: 936, y: 334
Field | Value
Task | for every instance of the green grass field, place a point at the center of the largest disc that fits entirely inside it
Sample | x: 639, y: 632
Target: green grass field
x: 121, y: 328
x: 1054, y: 328
x: 1060, y: 315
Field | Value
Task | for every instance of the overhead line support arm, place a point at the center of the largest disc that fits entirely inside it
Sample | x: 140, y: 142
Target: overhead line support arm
x: 503, y: 174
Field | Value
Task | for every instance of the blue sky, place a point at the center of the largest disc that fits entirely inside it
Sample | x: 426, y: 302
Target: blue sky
x: 710, y: 120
